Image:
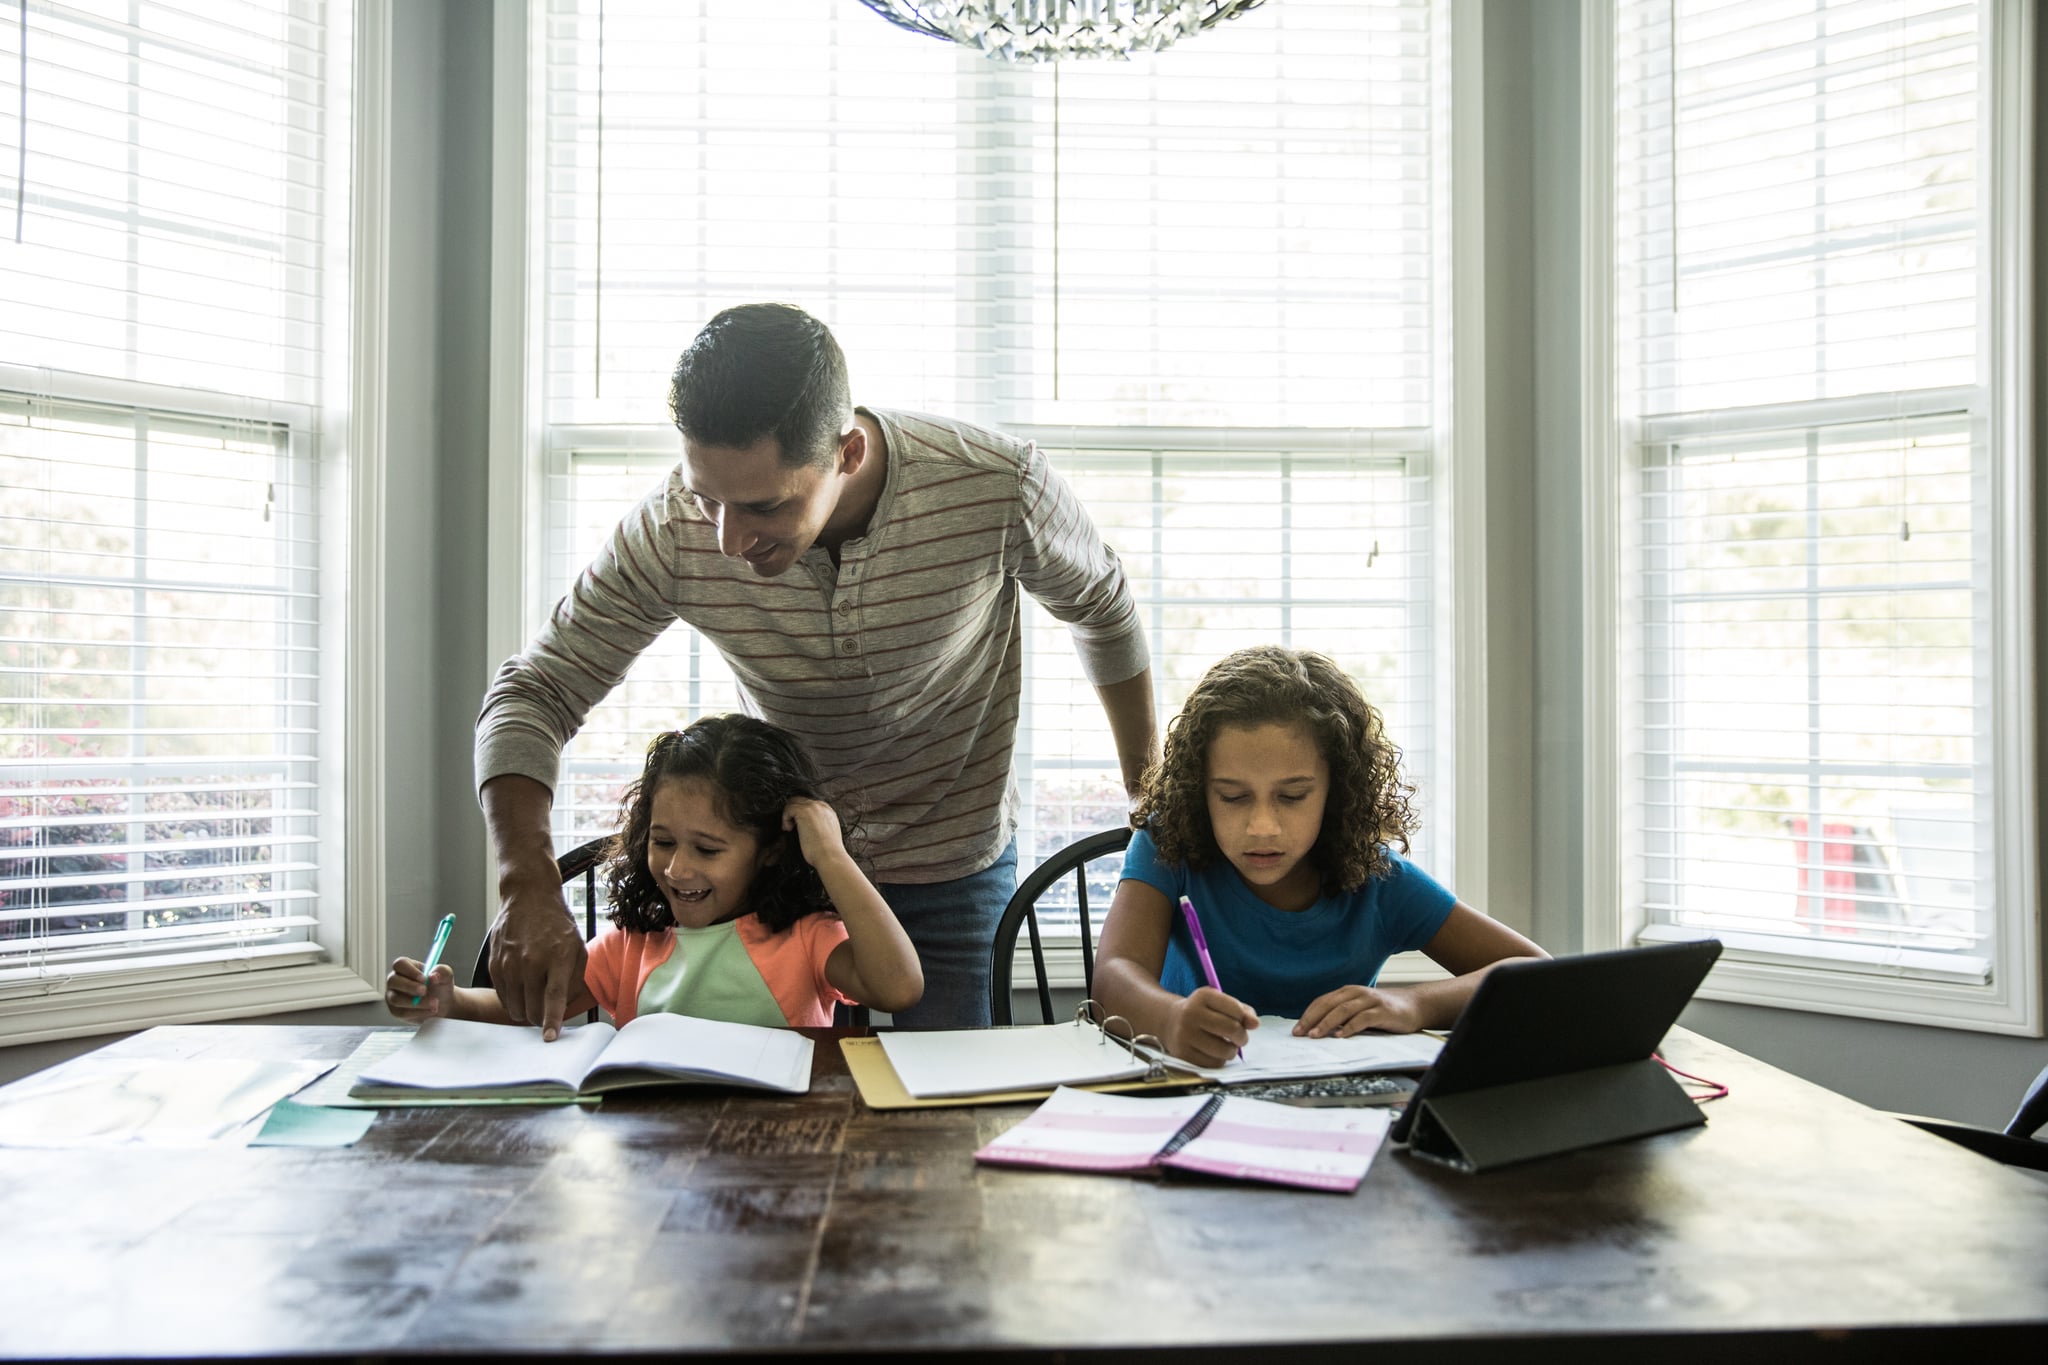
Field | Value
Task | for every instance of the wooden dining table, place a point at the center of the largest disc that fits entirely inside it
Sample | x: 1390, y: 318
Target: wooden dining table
x: 700, y: 1221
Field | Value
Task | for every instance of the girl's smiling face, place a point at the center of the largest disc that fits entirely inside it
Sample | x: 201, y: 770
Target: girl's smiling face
x: 1267, y: 786
x: 703, y: 864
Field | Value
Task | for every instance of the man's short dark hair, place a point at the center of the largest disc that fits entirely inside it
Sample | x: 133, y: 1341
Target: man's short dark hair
x: 763, y: 369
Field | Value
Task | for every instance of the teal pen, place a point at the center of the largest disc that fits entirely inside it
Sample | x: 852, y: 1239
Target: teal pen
x: 434, y: 953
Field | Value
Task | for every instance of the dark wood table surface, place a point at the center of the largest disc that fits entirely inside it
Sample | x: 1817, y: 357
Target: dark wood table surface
x: 1796, y: 1223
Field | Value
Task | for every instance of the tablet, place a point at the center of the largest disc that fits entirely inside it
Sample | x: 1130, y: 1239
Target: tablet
x: 1537, y: 1017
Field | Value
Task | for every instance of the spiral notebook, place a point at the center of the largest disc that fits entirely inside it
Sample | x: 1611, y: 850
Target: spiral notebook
x: 1216, y: 1134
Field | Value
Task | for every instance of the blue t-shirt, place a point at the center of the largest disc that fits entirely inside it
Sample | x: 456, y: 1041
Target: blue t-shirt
x: 1279, y: 961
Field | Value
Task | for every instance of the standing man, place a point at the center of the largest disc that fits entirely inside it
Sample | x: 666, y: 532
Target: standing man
x: 859, y: 570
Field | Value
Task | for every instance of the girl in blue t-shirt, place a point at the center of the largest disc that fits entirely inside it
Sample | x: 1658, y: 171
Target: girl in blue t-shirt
x: 1275, y: 811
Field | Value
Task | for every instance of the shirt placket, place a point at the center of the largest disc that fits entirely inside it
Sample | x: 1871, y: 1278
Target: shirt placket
x: 844, y: 615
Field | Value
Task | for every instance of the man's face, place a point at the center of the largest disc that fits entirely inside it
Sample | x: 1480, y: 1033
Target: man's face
x: 767, y: 513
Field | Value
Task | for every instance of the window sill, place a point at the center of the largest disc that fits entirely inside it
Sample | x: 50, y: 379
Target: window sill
x: 79, y: 1007
x: 1958, y: 996
x: 1843, y: 958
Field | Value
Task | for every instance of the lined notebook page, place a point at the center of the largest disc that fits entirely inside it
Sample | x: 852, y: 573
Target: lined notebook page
x: 682, y: 1044
x: 1273, y: 1053
x: 455, y: 1054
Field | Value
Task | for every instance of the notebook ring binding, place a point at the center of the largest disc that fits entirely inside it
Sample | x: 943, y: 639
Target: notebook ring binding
x: 1131, y: 1040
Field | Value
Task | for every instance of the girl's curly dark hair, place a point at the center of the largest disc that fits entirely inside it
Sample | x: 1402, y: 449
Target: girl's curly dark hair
x: 753, y: 769
x: 1370, y: 805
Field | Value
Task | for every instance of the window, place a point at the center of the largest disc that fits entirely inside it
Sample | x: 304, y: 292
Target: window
x: 171, y: 514
x: 1212, y: 284
x: 1819, y: 695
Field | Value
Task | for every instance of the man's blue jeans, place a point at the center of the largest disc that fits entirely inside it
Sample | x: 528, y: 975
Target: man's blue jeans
x: 951, y: 924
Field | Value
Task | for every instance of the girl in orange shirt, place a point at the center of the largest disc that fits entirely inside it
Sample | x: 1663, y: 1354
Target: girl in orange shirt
x: 733, y: 897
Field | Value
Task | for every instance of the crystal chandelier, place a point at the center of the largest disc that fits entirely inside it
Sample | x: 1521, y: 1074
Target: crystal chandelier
x: 1052, y: 30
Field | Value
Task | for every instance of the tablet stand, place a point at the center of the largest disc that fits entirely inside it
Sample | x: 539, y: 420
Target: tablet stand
x: 1477, y: 1130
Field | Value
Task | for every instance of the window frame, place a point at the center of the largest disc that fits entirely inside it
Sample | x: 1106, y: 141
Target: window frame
x: 521, y: 462
x: 1407, y: 451
x: 1613, y: 843
x: 350, y: 424
x: 52, y: 402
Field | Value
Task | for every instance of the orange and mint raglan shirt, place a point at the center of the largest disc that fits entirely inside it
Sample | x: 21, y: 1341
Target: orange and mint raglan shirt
x: 739, y: 971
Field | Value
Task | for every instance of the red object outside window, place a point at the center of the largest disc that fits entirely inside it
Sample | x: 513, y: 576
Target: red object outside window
x: 1838, y: 873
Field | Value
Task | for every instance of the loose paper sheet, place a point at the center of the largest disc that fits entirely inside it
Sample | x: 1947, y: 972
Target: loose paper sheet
x: 292, y: 1124
x: 117, y: 1102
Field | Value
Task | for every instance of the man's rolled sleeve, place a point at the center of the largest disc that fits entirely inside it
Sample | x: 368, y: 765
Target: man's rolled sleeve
x: 539, y: 698
x: 1062, y: 560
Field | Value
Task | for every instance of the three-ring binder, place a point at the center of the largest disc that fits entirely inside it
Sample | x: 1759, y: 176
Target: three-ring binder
x: 1131, y: 1040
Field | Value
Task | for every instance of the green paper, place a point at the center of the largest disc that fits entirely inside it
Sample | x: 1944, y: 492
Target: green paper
x: 312, y: 1125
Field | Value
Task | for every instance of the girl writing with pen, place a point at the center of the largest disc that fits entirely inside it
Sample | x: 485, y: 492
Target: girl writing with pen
x: 1276, y: 812
x: 733, y: 897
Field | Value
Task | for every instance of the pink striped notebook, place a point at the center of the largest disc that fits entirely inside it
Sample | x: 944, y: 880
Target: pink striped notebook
x: 1083, y: 1130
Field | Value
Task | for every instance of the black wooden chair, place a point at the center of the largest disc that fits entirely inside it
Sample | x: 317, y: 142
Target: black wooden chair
x: 2016, y: 1145
x: 580, y: 861
x: 1022, y: 912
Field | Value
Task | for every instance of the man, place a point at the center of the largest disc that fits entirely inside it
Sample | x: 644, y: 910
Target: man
x: 859, y: 570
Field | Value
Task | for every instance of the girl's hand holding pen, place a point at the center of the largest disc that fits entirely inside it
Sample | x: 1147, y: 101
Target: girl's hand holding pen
x: 1208, y: 1027
x: 409, y: 980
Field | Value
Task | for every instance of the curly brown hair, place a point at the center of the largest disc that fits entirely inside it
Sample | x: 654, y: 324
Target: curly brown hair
x: 753, y: 769
x: 1370, y: 805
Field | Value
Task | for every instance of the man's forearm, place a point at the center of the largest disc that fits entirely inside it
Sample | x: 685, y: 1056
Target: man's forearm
x: 516, y: 811
x: 537, y: 957
x: 1132, y: 725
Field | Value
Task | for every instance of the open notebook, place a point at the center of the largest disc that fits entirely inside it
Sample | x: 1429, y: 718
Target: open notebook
x: 461, y: 1059
x: 1273, y: 1053
x: 1215, y: 1134
x: 1012, y: 1062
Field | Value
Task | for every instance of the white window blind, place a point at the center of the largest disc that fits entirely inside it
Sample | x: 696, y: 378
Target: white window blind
x: 1804, y: 336
x: 165, y: 208
x: 1208, y: 281
x: 1318, y: 548
x: 165, y: 220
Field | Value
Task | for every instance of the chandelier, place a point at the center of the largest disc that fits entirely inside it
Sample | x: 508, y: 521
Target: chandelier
x: 1052, y: 30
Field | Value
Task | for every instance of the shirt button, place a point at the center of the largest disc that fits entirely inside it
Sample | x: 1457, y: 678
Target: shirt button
x: 848, y: 646
x: 845, y: 608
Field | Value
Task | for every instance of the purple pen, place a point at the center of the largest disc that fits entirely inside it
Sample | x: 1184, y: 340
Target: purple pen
x: 1187, y: 912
